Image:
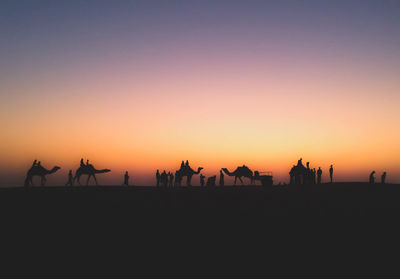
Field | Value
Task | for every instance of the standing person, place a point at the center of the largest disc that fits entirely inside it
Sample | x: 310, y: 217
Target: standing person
x: 383, y: 178
x: 319, y: 174
x: 313, y: 175
x: 171, y: 179
x: 164, y: 179
x: 126, y: 179
x: 34, y: 164
x: 372, y: 177
x: 331, y: 173
x: 82, y: 164
x: 221, y: 178
x: 70, y: 179
x: 202, y: 177
x: 158, y: 178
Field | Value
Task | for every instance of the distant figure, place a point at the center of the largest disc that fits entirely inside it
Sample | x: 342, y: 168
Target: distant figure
x: 171, y: 179
x: 187, y: 164
x: 87, y: 162
x: 82, y: 164
x: 319, y: 174
x: 126, y: 179
x: 299, y: 162
x: 314, y: 175
x: 221, y: 178
x: 308, y: 165
x: 211, y: 181
x: 158, y: 178
x: 34, y: 164
x: 38, y: 164
x: 164, y: 179
x: 202, y: 177
x: 182, y: 165
x: 372, y: 178
x: 292, y: 175
x: 383, y: 178
x: 70, y: 179
x: 331, y: 173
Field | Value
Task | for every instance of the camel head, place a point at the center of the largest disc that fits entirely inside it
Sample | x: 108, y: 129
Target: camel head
x: 53, y: 170
x: 199, y: 169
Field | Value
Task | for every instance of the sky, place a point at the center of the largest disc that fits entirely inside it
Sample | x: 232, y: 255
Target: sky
x: 143, y: 85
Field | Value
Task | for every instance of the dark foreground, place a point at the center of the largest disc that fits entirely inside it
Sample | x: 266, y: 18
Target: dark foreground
x: 343, y: 221
x: 326, y: 200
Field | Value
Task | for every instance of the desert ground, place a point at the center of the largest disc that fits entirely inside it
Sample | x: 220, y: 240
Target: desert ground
x: 330, y: 200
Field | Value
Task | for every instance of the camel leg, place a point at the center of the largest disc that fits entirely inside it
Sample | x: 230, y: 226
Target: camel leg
x: 78, y: 178
x: 87, y: 182
x: 189, y: 180
x: 241, y: 181
x: 42, y: 181
x: 235, y: 180
x: 94, y: 176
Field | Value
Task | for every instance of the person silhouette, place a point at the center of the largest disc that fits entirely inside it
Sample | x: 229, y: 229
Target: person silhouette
x: 372, y: 178
x: 171, y: 179
x: 38, y: 164
x: 70, y: 179
x: 331, y: 173
x: 87, y: 162
x: 182, y: 165
x: 314, y: 175
x: 34, y: 164
x: 82, y: 164
x: 126, y: 179
x: 300, y: 162
x: 164, y: 179
x: 187, y: 165
x: 308, y: 165
x: 202, y: 177
x: 319, y: 174
x: 383, y: 178
x: 221, y: 178
x: 158, y: 178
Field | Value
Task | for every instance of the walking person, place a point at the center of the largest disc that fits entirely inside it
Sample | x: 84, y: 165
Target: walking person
x: 383, y: 178
x: 202, y: 177
x: 372, y: 177
x: 319, y: 174
x: 126, y: 179
x: 331, y: 173
x: 221, y: 178
x: 70, y: 179
x: 158, y: 178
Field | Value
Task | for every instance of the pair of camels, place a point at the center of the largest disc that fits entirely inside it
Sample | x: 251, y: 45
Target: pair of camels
x: 38, y: 170
x: 240, y: 172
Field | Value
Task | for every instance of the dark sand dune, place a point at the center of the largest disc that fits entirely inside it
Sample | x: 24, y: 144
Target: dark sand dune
x: 331, y: 200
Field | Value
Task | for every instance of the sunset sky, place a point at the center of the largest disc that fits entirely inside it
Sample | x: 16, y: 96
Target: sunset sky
x: 142, y: 85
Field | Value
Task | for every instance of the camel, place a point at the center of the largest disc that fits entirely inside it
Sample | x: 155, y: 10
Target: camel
x: 188, y: 172
x: 38, y: 170
x: 240, y: 172
x: 90, y: 171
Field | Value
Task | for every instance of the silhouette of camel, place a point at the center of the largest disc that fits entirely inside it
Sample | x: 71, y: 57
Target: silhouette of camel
x: 37, y: 170
x: 90, y: 171
x: 188, y: 172
x: 240, y: 172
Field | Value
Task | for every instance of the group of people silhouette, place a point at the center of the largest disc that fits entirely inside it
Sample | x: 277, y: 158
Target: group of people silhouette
x: 169, y: 179
x: 299, y: 174
x: 372, y: 177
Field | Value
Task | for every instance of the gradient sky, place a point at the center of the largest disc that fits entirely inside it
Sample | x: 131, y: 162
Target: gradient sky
x: 141, y: 85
